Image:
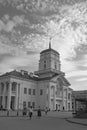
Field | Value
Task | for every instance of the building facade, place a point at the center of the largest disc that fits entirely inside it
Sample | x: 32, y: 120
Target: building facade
x: 46, y: 87
x: 79, y: 100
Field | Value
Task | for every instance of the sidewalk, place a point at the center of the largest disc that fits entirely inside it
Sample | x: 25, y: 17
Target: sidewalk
x: 64, y: 115
x: 69, y: 117
x: 77, y: 121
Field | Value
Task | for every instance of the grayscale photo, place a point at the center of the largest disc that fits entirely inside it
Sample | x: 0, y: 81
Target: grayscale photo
x: 43, y: 64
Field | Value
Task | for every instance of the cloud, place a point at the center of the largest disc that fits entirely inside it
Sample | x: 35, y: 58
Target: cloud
x: 68, y: 28
x: 12, y: 62
x: 77, y: 73
x: 38, y: 6
x: 7, y: 24
x: 81, y: 79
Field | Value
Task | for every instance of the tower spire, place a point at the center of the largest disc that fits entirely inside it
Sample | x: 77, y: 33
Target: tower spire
x: 50, y: 43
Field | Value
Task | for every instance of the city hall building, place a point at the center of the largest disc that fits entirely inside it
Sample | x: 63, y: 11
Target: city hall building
x: 46, y: 87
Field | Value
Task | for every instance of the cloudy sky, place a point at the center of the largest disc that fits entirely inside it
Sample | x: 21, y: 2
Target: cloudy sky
x: 27, y: 25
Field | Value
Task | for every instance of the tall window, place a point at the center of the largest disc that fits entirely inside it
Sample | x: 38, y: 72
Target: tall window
x: 7, y: 86
x: 33, y: 91
x: 33, y: 104
x: 29, y: 91
x: 25, y: 90
x: 29, y: 104
x: 55, y: 66
x: 2, y: 87
x: 14, y: 86
x: 69, y: 96
x: 41, y: 91
x: 24, y: 104
x: 44, y: 64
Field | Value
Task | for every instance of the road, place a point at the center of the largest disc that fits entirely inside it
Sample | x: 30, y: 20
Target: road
x: 43, y: 123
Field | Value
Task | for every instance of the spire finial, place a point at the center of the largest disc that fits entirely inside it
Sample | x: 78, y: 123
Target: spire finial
x: 50, y: 43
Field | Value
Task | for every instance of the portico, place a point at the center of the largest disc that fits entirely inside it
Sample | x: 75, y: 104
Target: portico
x: 9, y: 95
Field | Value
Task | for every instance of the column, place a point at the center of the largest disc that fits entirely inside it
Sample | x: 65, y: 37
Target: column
x: 9, y: 97
x: 74, y: 105
x: 49, y: 95
x: 4, y: 95
x: 70, y: 101
x: 63, y: 97
x: 16, y: 98
x: 67, y: 99
x: 54, y: 93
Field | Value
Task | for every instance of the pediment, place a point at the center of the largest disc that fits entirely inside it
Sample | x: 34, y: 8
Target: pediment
x: 61, y: 80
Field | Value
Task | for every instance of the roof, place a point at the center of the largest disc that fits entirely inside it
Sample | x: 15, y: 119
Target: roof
x: 49, y: 50
x: 62, y: 80
x: 19, y: 75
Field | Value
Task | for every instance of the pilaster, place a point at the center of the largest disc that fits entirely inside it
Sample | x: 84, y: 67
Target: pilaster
x: 67, y: 100
x: 54, y: 93
x: 16, y: 98
x: 4, y: 95
x: 9, y: 97
x: 49, y: 96
x: 62, y: 97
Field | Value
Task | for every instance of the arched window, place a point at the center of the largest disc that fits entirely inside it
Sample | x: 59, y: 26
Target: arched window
x: 2, y: 87
x: 14, y: 86
x: 7, y: 86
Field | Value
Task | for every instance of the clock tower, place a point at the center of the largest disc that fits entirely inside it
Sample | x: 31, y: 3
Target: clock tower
x: 49, y: 62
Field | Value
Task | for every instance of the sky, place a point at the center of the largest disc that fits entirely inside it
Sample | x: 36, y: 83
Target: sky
x: 27, y: 25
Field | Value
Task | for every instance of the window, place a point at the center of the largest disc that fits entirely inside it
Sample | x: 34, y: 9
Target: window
x: 29, y: 91
x: 33, y: 104
x: 14, y: 86
x: 41, y: 91
x: 55, y: 66
x: 24, y: 104
x: 33, y: 91
x: 7, y: 86
x: 69, y: 96
x: 2, y: 87
x: 44, y: 64
x: 29, y: 104
x: 1, y: 100
x: 25, y: 90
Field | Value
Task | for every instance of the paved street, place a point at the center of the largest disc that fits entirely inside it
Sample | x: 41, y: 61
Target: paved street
x: 51, y: 122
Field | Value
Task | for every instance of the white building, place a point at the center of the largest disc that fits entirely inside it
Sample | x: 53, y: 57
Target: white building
x: 46, y: 87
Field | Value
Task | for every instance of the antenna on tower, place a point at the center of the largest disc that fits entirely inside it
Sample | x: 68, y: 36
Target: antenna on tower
x: 50, y: 43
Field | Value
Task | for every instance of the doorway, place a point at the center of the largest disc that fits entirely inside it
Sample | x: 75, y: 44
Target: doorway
x: 13, y: 102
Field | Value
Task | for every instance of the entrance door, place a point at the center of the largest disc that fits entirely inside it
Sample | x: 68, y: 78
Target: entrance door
x: 12, y: 102
x: 56, y: 107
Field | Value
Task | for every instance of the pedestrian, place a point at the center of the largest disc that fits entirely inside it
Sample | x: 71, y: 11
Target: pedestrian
x: 39, y: 112
x: 63, y: 108
x: 24, y: 111
x: 46, y: 110
x: 30, y: 112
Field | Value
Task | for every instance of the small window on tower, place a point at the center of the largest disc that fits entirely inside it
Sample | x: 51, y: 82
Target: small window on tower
x: 55, y: 66
x: 44, y: 64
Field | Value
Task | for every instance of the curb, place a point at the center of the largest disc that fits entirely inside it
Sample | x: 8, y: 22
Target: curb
x: 76, y: 122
